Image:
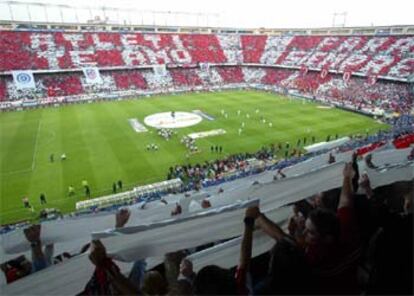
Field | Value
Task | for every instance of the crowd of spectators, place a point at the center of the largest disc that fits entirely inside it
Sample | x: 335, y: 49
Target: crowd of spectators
x: 193, y: 175
x: 389, y: 96
x: 41, y: 50
x: 357, y: 93
x: 336, y: 242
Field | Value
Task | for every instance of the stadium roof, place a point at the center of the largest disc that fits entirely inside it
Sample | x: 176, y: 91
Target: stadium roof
x: 214, y: 13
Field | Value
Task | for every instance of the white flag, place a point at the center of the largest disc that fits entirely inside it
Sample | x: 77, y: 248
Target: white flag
x: 92, y: 75
x: 160, y: 70
x: 23, y: 79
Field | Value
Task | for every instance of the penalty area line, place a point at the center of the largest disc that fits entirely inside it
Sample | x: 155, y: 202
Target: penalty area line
x: 33, y: 165
x: 35, y: 146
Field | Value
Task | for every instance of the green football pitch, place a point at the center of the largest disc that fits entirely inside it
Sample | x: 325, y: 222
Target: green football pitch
x: 102, y: 147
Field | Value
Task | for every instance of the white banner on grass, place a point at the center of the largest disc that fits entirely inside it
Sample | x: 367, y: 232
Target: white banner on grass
x: 92, y: 75
x: 23, y: 79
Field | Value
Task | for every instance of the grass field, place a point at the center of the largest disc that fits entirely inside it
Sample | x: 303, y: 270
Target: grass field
x: 101, y: 146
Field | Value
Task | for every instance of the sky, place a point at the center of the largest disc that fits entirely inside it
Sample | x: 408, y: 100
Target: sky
x: 231, y: 13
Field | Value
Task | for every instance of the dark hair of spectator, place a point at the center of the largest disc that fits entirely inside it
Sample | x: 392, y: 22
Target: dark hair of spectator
x: 326, y: 223
x: 214, y: 280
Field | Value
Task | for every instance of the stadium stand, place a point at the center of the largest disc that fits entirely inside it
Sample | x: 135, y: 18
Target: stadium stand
x: 383, y: 56
x: 309, y: 65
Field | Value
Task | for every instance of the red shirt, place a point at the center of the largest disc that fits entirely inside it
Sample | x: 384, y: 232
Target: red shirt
x: 335, y: 265
x: 241, y: 281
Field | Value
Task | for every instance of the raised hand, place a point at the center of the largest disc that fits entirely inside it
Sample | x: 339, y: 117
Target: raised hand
x: 348, y: 171
x: 122, y: 217
x: 32, y: 233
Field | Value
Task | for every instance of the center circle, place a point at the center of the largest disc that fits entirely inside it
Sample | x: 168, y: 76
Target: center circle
x: 172, y: 119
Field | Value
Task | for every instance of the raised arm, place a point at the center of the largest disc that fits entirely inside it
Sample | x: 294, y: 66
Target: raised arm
x: 32, y: 235
x: 121, y: 218
x: 105, y: 265
x: 247, y: 239
x: 345, y: 199
x: 269, y: 227
x: 366, y: 186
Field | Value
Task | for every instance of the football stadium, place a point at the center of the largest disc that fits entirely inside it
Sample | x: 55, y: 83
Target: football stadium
x: 151, y: 157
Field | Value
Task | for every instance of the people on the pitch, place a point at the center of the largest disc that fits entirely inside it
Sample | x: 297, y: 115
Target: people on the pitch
x: 71, y: 190
x: 63, y: 156
x: 114, y: 187
x: 42, y: 199
x: 26, y: 203
x: 166, y: 133
x: 87, y: 191
x: 212, y: 148
x: 52, y: 157
x: 152, y: 147
x: 221, y: 149
x: 120, y: 185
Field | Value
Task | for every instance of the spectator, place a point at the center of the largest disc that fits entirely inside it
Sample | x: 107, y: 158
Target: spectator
x: 154, y: 284
x: 214, y: 280
x: 368, y: 162
x: 181, y: 287
x: 177, y: 211
x: 205, y: 204
x: 246, y: 252
x: 287, y: 265
x: 186, y: 271
x: 16, y: 269
x: 32, y: 235
x: 172, y: 265
x: 331, y: 158
x: 107, y: 278
x: 333, y: 243
x: 296, y: 225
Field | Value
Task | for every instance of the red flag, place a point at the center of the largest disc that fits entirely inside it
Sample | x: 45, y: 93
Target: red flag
x: 347, y: 76
x: 303, y: 69
x: 324, y: 73
x: 372, y: 79
x: 325, y: 70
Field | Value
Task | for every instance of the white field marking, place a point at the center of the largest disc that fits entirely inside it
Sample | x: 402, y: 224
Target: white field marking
x: 165, y: 120
x: 28, y: 170
x: 17, y: 172
x: 35, y: 147
x: 51, y: 138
